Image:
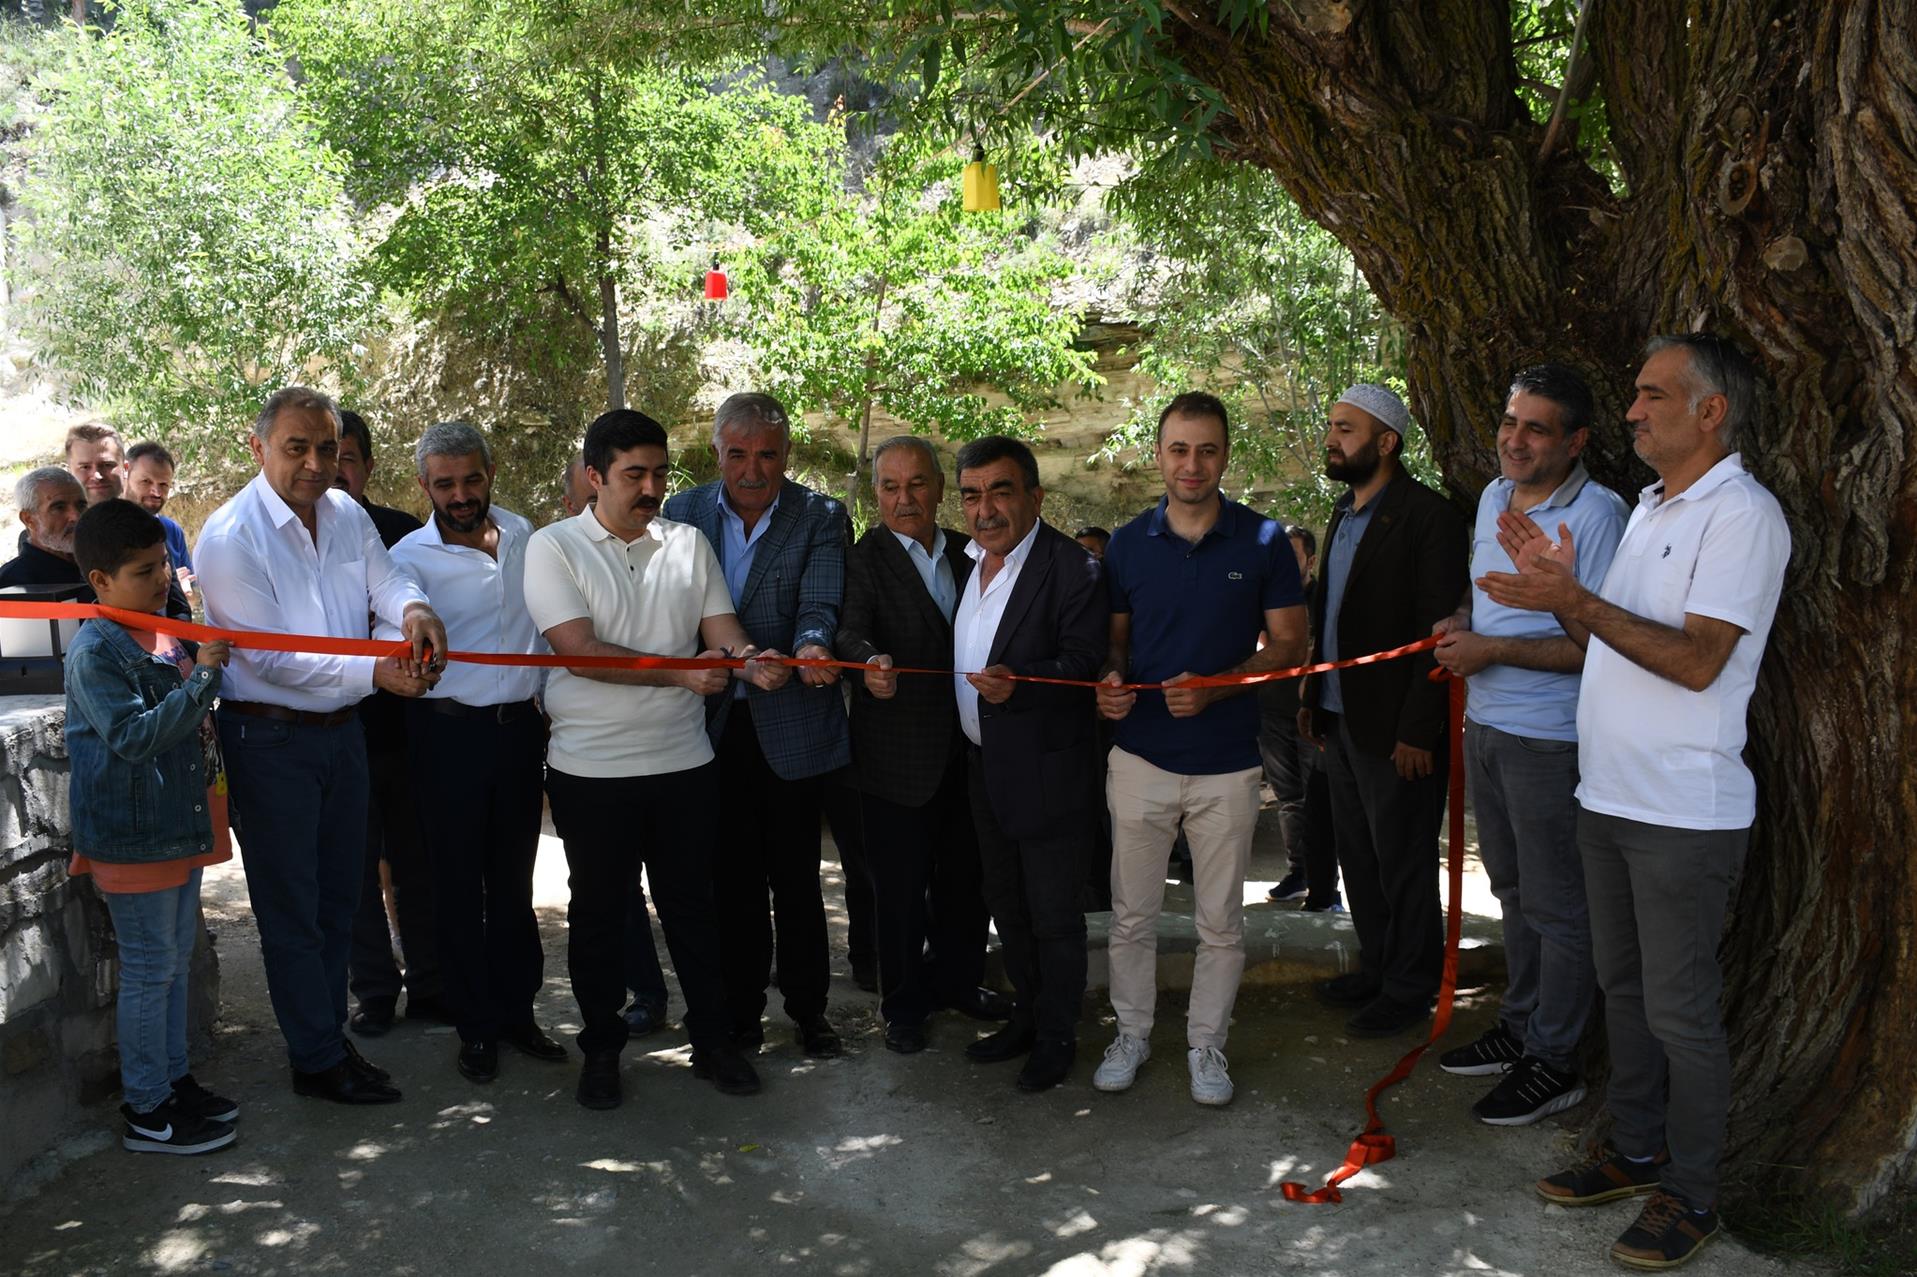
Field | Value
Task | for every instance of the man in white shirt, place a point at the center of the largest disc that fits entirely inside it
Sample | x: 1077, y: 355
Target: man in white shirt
x: 1672, y: 644
x: 630, y: 769
x: 476, y: 746
x: 290, y: 554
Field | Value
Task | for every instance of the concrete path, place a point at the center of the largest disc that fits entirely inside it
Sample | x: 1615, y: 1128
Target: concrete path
x: 870, y: 1164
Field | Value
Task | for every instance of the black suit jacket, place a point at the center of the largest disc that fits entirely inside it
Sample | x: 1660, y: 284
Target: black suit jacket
x: 1408, y: 574
x: 1040, y: 745
x: 900, y: 747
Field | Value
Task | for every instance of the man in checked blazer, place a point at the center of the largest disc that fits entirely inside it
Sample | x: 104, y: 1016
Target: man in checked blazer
x: 782, y: 548
x: 902, y: 582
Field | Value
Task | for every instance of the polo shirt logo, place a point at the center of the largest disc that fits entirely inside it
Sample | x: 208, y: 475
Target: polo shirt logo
x: 1234, y: 576
x: 1666, y: 554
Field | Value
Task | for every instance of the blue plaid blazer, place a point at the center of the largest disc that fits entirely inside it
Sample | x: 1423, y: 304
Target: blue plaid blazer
x: 791, y: 598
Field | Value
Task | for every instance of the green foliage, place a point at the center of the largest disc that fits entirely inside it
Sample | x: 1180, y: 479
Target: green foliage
x: 517, y: 163
x: 186, y: 244
x: 887, y: 298
x: 1245, y: 297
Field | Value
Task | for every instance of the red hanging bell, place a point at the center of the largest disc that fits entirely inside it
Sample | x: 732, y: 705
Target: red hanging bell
x: 717, y: 286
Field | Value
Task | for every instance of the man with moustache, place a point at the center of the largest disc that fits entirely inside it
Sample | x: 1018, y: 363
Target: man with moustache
x: 476, y: 747
x: 1194, y: 582
x: 902, y: 583
x: 1394, y: 566
x: 393, y: 830
x: 1520, y: 753
x: 1672, y: 642
x: 50, y: 501
x: 782, y: 548
x: 290, y: 554
x: 1034, y: 605
x: 149, y: 481
x: 630, y: 768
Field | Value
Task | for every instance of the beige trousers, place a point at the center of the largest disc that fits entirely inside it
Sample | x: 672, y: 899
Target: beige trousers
x: 1220, y: 813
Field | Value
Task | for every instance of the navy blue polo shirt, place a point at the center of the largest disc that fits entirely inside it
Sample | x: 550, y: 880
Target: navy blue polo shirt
x: 1198, y: 608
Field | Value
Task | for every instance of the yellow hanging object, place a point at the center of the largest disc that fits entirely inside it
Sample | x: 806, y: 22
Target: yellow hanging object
x: 980, y: 184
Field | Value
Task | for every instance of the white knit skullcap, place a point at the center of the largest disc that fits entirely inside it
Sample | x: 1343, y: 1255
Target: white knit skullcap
x: 1380, y: 403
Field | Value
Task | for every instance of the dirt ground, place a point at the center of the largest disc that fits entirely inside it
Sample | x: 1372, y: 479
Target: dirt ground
x: 869, y: 1164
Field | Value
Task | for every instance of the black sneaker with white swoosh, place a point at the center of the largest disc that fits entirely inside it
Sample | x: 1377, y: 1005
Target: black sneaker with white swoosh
x: 171, y: 1129
x: 197, y: 1100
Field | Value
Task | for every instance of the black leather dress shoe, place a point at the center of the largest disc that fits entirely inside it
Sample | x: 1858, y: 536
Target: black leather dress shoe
x: 530, y: 1039
x: 643, y: 1018
x: 727, y: 1070
x: 865, y: 974
x: 1010, y: 1042
x: 1385, y: 1017
x: 1352, y: 989
x: 981, y: 1004
x: 599, y: 1080
x: 906, y: 1039
x: 1049, y: 1064
x: 479, y: 1061
x: 343, y: 1084
x: 363, y: 1066
x: 374, y: 1017
x: 820, y: 1040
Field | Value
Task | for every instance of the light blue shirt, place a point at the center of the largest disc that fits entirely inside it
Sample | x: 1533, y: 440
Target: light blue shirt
x: 1338, y: 557
x: 934, y: 569
x: 735, y: 554
x: 1533, y: 702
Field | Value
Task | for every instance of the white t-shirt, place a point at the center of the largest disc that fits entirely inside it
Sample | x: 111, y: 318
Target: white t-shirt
x: 1648, y: 749
x: 648, y: 595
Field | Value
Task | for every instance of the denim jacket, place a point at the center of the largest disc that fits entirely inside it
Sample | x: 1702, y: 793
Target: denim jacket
x: 138, y: 774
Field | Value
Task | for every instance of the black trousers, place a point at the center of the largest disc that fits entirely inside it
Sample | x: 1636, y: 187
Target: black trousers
x: 484, y: 781
x: 768, y: 845
x: 927, y: 886
x: 610, y: 825
x: 845, y: 817
x: 1033, y: 888
x: 1296, y: 770
x: 393, y: 835
x: 1387, y: 829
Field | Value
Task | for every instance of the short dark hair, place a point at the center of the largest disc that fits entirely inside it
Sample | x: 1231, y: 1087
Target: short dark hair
x: 1196, y: 403
x: 1718, y: 367
x: 1564, y: 386
x: 1092, y: 530
x: 302, y: 398
x: 620, y: 430
x: 1299, y: 532
x: 112, y: 532
x: 90, y: 432
x: 353, y: 426
x: 149, y: 451
x: 983, y: 452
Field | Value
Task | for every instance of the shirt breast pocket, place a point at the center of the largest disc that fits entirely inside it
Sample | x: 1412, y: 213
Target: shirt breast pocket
x: 343, y: 587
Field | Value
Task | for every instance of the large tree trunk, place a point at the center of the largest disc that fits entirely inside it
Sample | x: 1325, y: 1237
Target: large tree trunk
x: 1769, y: 156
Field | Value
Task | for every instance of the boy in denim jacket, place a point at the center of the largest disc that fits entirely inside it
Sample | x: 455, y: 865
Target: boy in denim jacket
x: 149, y: 813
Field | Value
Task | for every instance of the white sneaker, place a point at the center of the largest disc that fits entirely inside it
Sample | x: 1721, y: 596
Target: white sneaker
x: 1210, y: 1084
x: 1119, y: 1069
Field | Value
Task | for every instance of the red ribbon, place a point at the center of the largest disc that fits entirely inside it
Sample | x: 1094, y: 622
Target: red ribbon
x: 324, y: 645
x: 1375, y: 1144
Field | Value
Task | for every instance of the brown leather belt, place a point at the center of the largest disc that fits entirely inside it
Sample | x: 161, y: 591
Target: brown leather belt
x: 304, y: 717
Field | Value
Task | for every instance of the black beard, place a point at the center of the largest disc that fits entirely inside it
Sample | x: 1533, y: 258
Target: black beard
x: 1353, y: 470
x: 463, y: 526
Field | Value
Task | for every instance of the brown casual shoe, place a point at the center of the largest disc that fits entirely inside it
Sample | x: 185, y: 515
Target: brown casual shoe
x: 1604, y: 1176
x: 1667, y: 1233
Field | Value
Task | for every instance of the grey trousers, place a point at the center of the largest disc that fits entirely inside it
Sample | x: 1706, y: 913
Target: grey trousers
x: 1658, y: 897
x: 1522, y: 789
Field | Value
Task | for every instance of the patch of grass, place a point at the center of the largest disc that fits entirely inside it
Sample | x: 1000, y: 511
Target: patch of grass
x: 1882, y: 1244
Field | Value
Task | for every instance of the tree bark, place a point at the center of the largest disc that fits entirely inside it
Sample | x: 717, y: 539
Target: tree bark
x: 610, y: 349
x: 1769, y: 165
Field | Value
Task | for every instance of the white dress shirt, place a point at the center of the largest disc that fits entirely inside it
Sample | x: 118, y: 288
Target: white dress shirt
x: 482, y: 601
x: 259, y: 569
x: 976, y: 624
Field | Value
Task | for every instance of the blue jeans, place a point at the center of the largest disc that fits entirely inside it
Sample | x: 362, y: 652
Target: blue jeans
x: 1521, y: 788
x: 155, y: 931
x: 299, y: 791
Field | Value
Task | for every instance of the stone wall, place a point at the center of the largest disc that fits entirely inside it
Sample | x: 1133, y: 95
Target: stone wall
x: 59, y: 970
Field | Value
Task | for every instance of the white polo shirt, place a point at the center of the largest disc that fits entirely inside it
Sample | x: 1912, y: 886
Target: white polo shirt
x: 1648, y: 749
x: 649, y: 595
x: 481, y: 598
